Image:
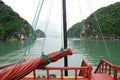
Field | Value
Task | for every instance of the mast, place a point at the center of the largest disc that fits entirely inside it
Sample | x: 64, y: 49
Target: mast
x: 65, y: 33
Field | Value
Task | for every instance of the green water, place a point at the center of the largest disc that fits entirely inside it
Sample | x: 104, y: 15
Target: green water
x: 11, y: 51
x: 96, y: 50
x: 91, y: 50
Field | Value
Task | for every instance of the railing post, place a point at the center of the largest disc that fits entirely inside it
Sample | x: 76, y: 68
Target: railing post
x: 48, y: 75
x: 115, y: 72
x: 90, y: 72
x: 109, y: 70
x: 105, y: 68
x: 75, y: 73
x: 102, y: 68
x: 34, y: 73
x: 62, y: 74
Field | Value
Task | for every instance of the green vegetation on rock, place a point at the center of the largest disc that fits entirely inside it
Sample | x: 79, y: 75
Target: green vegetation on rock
x: 74, y: 31
x: 12, y: 26
x: 104, y: 21
x: 39, y: 34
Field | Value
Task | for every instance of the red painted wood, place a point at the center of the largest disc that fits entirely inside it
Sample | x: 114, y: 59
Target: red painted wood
x: 86, y: 73
x: 53, y: 79
x: 108, y: 68
x: 94, y: 77
x: 103, y: 72
x: 101, y: 77
x: 86, y: 69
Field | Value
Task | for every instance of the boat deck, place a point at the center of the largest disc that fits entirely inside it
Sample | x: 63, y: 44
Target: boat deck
x: 104, y: 71
x: 94, y: 77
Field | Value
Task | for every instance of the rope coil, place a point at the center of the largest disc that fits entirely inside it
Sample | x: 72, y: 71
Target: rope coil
x: 48, y: 60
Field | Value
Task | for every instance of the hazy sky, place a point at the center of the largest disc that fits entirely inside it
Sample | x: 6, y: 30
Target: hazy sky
x: 77, y: 11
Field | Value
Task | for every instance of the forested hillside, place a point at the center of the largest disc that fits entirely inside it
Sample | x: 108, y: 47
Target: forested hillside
x: 75, y: 30
x: 39, y: 34
x: 104, y: 21
x: 12, y: 26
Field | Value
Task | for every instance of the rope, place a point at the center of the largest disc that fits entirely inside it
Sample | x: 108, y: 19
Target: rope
x: 81, y: 14
x: 80, y: 10
x: 32, y: 31
x: 107, y: 50
x: 46, y: 24
x: 37, y: 15
x: 48, y: 60
x: 61, y: 27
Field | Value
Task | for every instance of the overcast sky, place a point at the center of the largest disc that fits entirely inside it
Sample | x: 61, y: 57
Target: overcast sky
x: 77, y: 11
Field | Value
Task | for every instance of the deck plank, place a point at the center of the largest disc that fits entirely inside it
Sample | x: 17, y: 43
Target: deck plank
x: 54, y: 79
x: 94, y: 77
x: 101, y: 77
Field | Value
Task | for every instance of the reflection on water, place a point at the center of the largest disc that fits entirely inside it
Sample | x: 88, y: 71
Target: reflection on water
x: 11, y: 51
x: 91, y: 50
x: 95, y: 50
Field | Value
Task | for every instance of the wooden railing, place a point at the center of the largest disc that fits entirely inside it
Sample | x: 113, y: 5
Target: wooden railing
x: 76, y: 69
x: 85, y: 71
x: 108, y: 68
x: 88, y: 72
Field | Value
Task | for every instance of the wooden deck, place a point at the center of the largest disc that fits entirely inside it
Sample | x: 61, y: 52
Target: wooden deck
x: 104, y: 71
x: 54, y: 79
x: 94, y: 77
x: 101, y: 77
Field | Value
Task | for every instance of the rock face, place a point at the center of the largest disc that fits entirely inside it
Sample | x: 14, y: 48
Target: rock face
x: 39, y: 34
x: 12, y: 26
x: 103, y: 22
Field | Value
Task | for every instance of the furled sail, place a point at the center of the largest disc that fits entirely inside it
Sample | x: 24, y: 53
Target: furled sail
x: 18, y: 71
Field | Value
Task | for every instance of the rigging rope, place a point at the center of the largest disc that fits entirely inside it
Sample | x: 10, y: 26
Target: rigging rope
x: 107, y: 50
x: 61, y: 28
x: 34, y: 25
x: 80, y: 10
x: 81, y: 15
x: 46, y: 24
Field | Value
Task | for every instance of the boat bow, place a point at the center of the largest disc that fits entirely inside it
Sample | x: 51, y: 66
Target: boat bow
x: 18, y: 71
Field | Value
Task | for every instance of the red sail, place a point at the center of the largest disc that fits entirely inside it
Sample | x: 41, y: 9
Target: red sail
x: 18, y: 71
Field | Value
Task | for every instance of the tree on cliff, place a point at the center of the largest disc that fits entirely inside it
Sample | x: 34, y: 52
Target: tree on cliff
x: 107, y: 19
x: 12, y: 26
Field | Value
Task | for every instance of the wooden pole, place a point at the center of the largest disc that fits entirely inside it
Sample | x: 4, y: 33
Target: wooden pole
x: 65, y: 33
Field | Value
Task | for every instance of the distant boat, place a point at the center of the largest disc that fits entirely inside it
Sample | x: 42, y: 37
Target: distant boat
x: 104, y: 71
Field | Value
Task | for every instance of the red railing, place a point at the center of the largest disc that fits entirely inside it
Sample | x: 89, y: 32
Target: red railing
x: 88, y: 72
x: 76, y: 69
x: 85, y: 71
x: 108, y: 68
